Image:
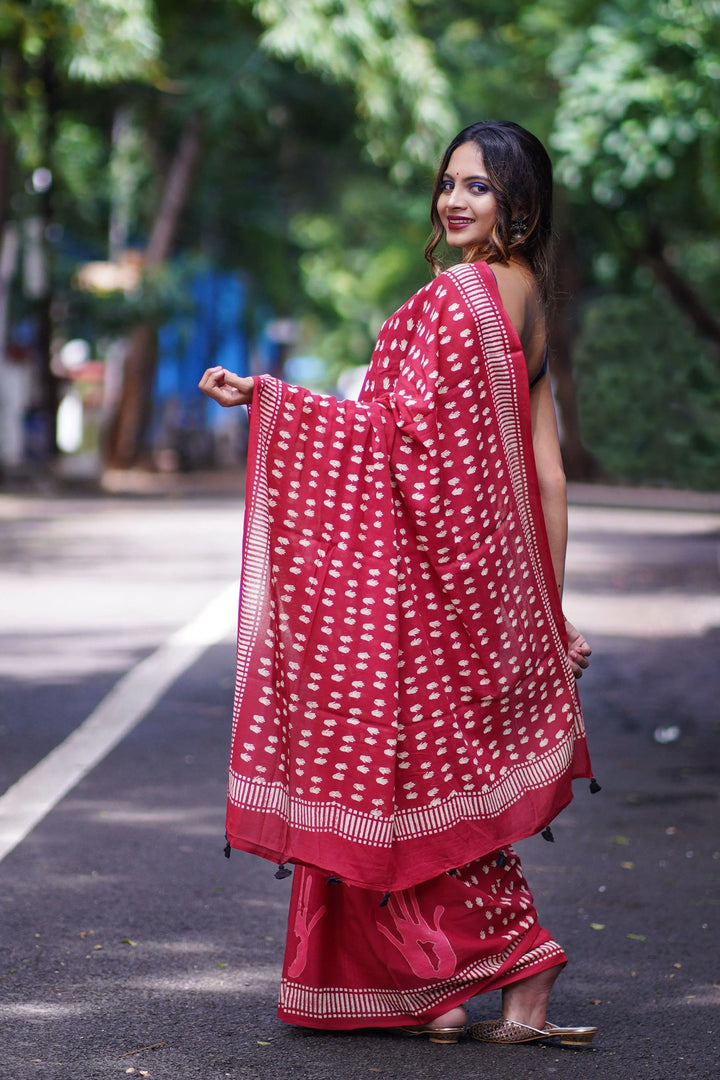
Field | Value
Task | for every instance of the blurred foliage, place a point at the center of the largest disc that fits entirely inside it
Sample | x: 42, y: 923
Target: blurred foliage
x: 640, y: 85
x: 322, y: 122
x: 403, y: 98
x: 649, y: 393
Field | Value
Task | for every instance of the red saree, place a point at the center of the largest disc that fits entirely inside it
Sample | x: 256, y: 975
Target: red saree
x: 404, y: 701
x: 351, y: 961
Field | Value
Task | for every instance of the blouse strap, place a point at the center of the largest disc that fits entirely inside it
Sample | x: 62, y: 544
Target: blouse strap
x: 543, y: 369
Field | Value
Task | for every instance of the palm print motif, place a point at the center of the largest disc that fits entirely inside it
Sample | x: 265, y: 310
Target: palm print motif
x: 302, y: 927
x: 426, y: 948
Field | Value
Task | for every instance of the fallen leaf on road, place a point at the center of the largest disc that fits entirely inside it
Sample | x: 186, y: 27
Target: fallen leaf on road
x: 597, y: 925
x: 260, y: 1042
x: 623, y: 840
x: 127, y: 941
x: 636, y: 937
x: 596, y: 1001
x: 628, y: 865
x: 141, y: 1050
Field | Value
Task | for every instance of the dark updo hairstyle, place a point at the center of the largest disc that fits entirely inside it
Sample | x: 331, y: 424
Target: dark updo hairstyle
x: 520, y: 175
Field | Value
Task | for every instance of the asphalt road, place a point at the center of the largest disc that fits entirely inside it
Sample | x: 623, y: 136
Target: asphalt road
x: 127, y: 942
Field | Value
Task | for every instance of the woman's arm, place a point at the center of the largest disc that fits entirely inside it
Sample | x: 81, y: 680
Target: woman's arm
x: 551, y: 475
x: 553, y: 496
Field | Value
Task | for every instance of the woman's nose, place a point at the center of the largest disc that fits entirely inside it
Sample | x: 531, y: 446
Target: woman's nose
x: 457, y: 198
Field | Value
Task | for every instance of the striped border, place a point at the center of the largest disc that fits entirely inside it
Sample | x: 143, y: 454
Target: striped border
x: 256, y: 537
x: 301, y: 814
x: 313, y: 1003
x: 493, y: 336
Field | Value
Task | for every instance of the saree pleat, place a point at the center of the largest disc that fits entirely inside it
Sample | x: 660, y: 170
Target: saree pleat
x: 350, y: 962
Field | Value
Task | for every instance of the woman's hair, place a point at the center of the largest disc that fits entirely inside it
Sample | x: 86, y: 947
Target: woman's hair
x: 520, y: 175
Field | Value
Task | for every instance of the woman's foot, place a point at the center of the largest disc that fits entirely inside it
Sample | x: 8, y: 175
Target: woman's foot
x: 442, y: 1029
x: 525, y: 1001
x: 455, y: 1018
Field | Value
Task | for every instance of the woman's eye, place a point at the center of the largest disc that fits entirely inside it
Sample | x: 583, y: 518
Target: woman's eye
x: 478, y: 189
x: 447, y: 185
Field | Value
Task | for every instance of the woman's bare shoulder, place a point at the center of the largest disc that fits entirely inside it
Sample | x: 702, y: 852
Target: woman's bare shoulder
x: 516, y: 283
x: 521, y: 299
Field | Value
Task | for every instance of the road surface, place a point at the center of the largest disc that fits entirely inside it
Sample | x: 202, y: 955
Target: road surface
x: 130, y: 947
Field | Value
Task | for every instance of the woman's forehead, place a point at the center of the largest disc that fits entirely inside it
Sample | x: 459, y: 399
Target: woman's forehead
x: 466, y: 160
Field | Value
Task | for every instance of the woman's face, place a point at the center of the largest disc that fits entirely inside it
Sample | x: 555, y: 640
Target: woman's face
x: 466, y: 203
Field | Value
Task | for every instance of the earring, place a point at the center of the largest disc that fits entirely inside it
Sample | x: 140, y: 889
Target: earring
x: 518, y: 228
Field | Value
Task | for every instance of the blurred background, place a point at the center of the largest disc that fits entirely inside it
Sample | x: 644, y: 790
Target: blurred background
x: 246, y: 182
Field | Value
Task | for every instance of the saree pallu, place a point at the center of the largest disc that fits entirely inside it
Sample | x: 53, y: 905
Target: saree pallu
x: 404, y: 701
x: 350, y: 962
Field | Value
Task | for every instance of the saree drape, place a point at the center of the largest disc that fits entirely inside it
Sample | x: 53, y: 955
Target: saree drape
x: 404, y: 702
x: 351, y: 962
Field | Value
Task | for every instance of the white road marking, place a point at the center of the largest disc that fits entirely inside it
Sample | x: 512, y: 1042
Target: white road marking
x: 36, y: 793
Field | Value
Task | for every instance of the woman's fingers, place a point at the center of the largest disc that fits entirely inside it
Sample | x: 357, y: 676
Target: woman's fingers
x: 578, y: 650
x: 226, y: 387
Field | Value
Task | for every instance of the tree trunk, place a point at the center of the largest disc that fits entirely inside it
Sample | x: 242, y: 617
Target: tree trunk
x: 43, y: 300
x: 7, y: 155
x: 127, y: 427
x: 578, y: 461
x: 653, y: 255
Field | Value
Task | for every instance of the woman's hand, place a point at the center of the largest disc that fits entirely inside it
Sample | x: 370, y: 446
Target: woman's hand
x: 226, y: 387
x: 578, y: 650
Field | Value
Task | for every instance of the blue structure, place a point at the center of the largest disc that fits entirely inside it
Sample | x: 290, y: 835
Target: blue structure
x: 213, y: 332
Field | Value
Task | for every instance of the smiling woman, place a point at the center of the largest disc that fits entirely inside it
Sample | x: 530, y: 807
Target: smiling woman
x: 406, y: 704
x: 497, y: 169
x: 466, y: 205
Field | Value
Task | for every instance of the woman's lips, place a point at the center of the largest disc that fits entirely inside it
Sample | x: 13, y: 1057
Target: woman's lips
x: 459, y: 223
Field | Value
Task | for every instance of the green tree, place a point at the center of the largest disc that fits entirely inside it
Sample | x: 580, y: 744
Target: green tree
x: 638, y: 131
x: 48, y: 49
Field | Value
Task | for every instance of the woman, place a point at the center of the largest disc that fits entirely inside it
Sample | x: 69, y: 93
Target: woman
x: 406, y: 703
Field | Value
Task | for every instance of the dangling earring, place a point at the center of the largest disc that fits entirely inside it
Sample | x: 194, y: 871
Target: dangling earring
x: 518, y: 228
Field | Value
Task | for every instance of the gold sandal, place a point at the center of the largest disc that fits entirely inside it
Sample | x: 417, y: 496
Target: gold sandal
x: 509, y: 1031
x: 435, y: 1035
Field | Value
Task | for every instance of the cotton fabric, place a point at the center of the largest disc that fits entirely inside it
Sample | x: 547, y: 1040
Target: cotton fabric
x: 350, y: 962
x: 404, y: 702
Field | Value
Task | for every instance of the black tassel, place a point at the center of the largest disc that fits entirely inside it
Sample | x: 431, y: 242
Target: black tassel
x: 228, y: 849
x: 548, y: 835
x: 501, y: 860
x: 594, y: 786
x: 334, y: 880
x: 384, y: 901
x: 282, y: 871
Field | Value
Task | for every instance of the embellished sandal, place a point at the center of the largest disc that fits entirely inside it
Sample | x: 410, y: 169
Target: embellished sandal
x: 435, y: 1035
x: 509, y: 1031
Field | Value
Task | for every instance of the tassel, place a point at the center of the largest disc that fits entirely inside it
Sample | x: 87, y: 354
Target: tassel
x: 594, y: 786
x: 548, y: 835
x: 334, y: 880
x: 228, y: 849
x: 282, y: 871
x: 384, y: 901
x: 501, y: 860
